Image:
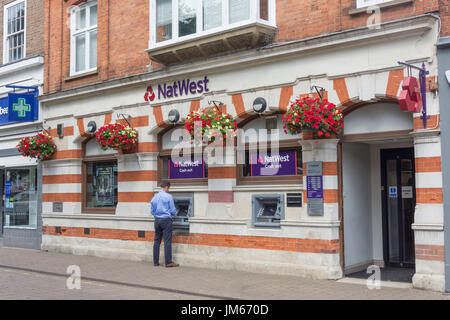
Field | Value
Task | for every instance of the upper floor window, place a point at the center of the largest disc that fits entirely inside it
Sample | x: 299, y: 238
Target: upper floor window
x: 177, y: 20
x: 14, y: 25
x: 83, y: 38
x: 367, y: 3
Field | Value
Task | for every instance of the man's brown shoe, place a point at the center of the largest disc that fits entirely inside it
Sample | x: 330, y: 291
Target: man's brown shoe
x: 172, y: 265
x: 156, y: 264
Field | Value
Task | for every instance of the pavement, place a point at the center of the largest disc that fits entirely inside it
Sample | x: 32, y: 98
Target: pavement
x: 31, y: 274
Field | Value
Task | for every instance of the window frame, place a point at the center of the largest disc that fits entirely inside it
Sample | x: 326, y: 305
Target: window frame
x: 5, y: 31
x: 162, y: 153
x: 360, y: 3
x: 85, y: 161
x: 224, y: 28
x: 283, y: 145
x: 86, y: 31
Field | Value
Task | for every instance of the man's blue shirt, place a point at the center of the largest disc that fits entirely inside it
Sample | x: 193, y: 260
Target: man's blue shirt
x: 162, y: 205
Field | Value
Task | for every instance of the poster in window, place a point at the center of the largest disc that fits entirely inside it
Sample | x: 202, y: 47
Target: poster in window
x: 104, y: 182
x: 186, y: 168
x: 277, y: 164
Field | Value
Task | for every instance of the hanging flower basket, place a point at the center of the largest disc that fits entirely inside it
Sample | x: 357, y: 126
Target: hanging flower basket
x: 210, y: 123
x: 317, y: 115
x: 40, y: 146
x: 117, y: 137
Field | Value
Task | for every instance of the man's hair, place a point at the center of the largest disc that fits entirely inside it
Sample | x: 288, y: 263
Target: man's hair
x: 165, y: 184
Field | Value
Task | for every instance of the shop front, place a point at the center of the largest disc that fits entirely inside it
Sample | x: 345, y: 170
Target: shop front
x: 268, y: 201
x: 19, y: 176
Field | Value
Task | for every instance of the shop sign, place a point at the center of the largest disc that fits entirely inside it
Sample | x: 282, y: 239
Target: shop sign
x: 18, y: 108
x: 407, y: 192
x: 177, y: 89
x: 21, y: 107
x: 280, y: 164
x: 186, y: 169
x: 392, y: 192
x: 314, y: 188
x: 410, y: 97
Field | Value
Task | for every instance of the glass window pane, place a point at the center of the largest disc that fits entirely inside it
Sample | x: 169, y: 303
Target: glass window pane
x: 101, y: 184
x: 187, y: 17
x: 163, y: 20
x: 212, y: 14
x: 93, y: 49
x: 239, y: 10
x: 80, y: 19
x: 93, y: 16
x: 20, y: 197
x: 80, y: 52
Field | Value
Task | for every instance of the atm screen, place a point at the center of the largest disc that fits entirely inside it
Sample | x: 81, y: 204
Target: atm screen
x: 182, y: 209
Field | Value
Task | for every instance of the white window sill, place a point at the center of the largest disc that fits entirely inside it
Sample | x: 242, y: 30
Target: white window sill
x: 81, y: 74
x: 19, y: 227
x: 22, y: 64
x: 210, y: 33
x: 380, y: 5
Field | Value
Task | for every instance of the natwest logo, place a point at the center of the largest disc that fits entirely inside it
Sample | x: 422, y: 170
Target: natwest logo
x: 177, y: 89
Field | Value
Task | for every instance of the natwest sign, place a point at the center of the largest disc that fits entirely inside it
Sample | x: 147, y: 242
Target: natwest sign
x: 177, y: 89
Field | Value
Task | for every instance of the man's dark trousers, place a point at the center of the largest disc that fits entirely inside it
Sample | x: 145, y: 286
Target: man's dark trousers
x: 163, y: 228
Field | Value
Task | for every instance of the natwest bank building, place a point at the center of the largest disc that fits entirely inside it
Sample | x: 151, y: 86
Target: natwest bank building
x: 335, y: 206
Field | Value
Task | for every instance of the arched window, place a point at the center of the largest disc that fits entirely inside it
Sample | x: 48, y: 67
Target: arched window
x: 266, y: 154
x: 191, y: 169
x: 100, y: 179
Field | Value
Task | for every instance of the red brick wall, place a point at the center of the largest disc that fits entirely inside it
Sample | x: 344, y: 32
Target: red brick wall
x: 123, y: 32
x: 445, y: 17
x: 34, y: 30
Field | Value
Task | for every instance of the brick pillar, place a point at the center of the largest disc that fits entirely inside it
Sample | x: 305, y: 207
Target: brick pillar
x: 221, y: 180
x: 428, y: 223
x: 325, y: 151
x: 137, y: 178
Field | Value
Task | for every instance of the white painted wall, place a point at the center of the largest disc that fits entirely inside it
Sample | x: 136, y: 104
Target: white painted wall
x: 378, y: 117
x: 357, y: 203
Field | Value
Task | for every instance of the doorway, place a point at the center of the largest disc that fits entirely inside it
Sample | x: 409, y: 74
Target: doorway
x: 398, y: 204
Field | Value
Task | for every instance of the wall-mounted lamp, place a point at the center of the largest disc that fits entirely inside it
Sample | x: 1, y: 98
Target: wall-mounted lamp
x: 174, y: 116
x: 447, y: 74
x: 60, y: 130
x: 91, y: 127
x: 259, y: 105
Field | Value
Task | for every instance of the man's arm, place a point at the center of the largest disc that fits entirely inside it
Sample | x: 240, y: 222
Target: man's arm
x: 152, y: 207
x: 172, y: 209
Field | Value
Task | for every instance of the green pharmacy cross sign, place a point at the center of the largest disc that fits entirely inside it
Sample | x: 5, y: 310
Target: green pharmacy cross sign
x: 22, y: 107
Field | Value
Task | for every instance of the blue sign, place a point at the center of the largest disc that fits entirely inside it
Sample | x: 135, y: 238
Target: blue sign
x: 314, y: 187
x: 8, y: 188
x: 392, y: 192
x: 21, y: 107
x: 6, y: 106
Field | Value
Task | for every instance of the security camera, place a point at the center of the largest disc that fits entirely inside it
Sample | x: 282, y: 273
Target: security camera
x: 447, y: 74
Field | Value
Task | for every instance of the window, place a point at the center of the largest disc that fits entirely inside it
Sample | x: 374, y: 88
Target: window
x: 101, y: 184
x: 14, y: 31
x: 368, y: 3
x: 83, y: 45
x: 280, y: 165
x: 21, y: 197
x: 188, y: 169
x: 100, y: 179
x: 178, y: 20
